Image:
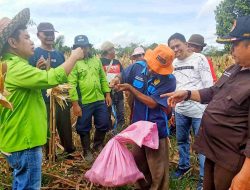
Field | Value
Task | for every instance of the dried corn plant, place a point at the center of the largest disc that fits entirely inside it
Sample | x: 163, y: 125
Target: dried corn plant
x: 60, y: 95
x: 3, y: 101
x: 220, y: 63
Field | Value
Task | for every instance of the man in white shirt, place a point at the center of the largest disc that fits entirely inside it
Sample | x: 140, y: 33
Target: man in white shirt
x: 192, y: 71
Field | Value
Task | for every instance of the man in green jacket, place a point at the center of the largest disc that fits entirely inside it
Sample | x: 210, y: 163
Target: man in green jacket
x: 23, y: 131
x: 94, y: 96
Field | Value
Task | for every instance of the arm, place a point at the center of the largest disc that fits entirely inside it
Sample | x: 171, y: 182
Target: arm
x: 147, y: 100
x: 242, y: 179
x: 25, y: 76
x: 73, y: 81
x: 181, y: 95
x: 103, y: 80
x: 75, y: 55
x: 204, y: 96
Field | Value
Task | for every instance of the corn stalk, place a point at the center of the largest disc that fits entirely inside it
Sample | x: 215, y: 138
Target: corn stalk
x: 3, y: 101
x: 60, y: 95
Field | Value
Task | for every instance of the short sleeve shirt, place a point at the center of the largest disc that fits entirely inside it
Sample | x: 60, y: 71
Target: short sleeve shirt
x: 56, y: 59
x: 151, y: 85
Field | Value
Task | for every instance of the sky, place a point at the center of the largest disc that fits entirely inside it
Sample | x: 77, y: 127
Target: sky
x: 120, y: 21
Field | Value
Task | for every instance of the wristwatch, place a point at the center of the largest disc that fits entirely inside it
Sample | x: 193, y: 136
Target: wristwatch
x: 188, y: 95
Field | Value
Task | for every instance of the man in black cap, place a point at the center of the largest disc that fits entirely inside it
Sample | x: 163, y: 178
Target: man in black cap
x: 224, y: 137
x: 46, y: 57
x: 93, y: 94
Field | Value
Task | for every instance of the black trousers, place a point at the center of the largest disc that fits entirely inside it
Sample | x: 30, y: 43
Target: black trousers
x: 63, y: 125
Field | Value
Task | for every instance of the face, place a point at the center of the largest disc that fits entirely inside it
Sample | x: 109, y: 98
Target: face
x: 46, y: 38
x: 86, y: 51
x: 139, y: 57
x: 241, y: 53
x: 23, y: 47
x: 194, y: 48
x: 111, y: 53
x: 180, y: 48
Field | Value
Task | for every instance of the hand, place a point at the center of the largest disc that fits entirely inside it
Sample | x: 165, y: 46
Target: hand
x: 175, y: 97
x: 240, y: 182
x: 172, y: 120
x: 77, y: 109
x: 42, y: 63
x: 77, y: 54
x: 114, y: 82
x: 123, y: 87
x: 108, y: 99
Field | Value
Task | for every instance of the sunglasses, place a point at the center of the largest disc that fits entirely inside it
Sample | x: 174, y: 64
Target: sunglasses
x: 138, y: 55
x: 48, y: 33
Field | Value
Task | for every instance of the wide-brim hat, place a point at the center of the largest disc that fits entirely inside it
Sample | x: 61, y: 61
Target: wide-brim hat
x: 8, y: 26
x: 197, y: 39
x: 160, y: 59
x: 240, y: 31
x: 106, y: 46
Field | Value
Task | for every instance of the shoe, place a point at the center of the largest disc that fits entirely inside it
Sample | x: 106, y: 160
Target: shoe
x: 88, y: 156
x: 180, y: 173
x: 200, y: 184
x: 71, y: 150
x: 99, y: 140
x: 85, y: 141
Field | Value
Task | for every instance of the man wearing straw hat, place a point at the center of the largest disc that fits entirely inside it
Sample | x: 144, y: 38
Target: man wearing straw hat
x: 24, y: 130
x: 224, y: 137
x: 146, y: 80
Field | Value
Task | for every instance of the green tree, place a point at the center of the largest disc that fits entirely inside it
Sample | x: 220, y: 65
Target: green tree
x: 59, y: 44
x: 212, y: 51
x: 226, y: 12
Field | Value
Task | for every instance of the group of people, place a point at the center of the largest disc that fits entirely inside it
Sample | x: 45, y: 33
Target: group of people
x: 176, y: 76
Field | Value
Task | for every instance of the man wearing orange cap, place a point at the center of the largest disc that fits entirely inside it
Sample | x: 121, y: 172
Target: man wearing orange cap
x: 23, y: 130
x: 146, y: 80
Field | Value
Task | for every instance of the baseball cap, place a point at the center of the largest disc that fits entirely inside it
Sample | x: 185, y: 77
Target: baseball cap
x: 45, y: 27
x: 81, y: 40
x: 239, y: 31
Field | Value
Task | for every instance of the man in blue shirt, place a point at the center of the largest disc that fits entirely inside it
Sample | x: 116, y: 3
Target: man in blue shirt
x: 146, y: 80
x: 46, y: 57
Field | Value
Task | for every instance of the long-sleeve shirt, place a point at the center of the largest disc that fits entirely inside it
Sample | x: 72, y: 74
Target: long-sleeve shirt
x: 224, y: 137
x: 88, y: 75
x: 26, y: 126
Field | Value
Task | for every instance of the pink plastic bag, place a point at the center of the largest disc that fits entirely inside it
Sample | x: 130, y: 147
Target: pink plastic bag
x: 115, y: 165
